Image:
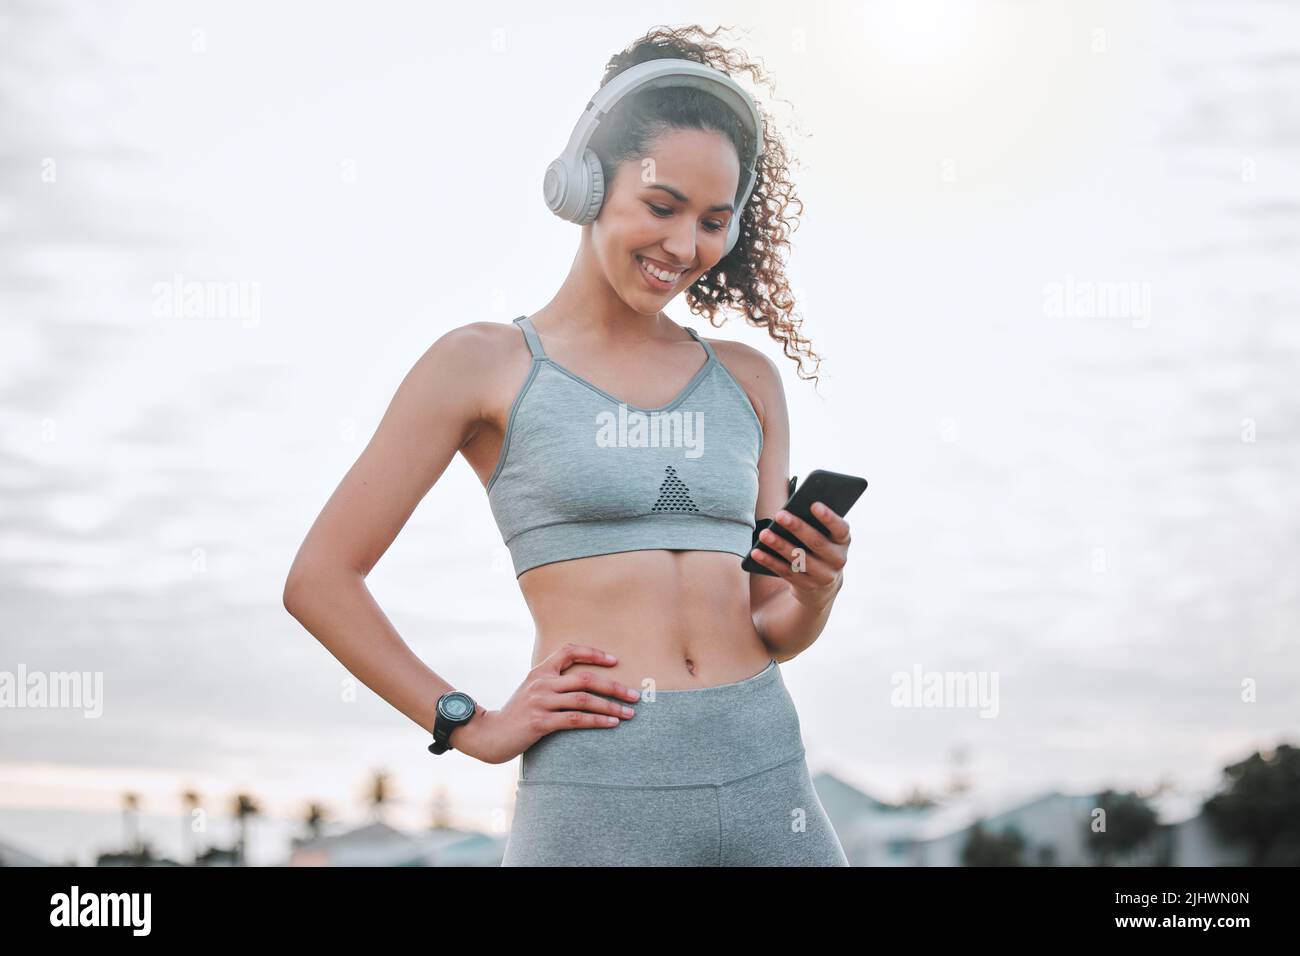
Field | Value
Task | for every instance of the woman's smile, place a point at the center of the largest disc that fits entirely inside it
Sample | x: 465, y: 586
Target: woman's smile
x: 653, y: 279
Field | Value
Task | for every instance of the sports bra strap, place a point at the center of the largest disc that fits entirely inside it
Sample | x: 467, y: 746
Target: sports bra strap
x: 535, y: 341
x: 531, y: 336
x: 707, y: 349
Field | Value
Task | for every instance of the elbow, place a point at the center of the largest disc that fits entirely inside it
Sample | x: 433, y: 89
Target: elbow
x: 778, y: 654
x: 293, y: 587
x: 304, y: 582
x: 297, y: 587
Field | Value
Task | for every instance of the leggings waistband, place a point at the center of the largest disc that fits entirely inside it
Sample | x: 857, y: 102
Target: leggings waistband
x: 707, y: 736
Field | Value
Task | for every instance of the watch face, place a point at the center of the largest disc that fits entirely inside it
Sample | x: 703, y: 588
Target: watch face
x: 456, y: 706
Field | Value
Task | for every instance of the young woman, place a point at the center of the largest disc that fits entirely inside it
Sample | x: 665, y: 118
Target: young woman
x: 626, y: 461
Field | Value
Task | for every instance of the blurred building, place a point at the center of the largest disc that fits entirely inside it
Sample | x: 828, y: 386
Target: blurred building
x: 378, y: 844
x: 1053, y: 827
x: 10, y: 855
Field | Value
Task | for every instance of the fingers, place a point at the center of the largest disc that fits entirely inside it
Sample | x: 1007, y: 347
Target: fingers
x: 577, y: 701
x: 571, y: 654
x: 580, y: 699
x: 785, y: 548
x: 775, y: 565
x: 593, y: 684
x: 817, y: 569
x: 835, y: 524
x: 568, y: 655
x: 830, y: 550
x: 814, y: 540
x: 577, y: 720
x: 583, y: 709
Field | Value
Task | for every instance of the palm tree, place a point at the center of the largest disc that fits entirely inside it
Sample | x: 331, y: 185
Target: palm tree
x: 917, y: 798
x: 959, y: 781
x: 314, y: 819
x: 130, y: 825
x: 379, y: 793
x: 189, y: 803
x: 244, y: 807
x: 441, y: 809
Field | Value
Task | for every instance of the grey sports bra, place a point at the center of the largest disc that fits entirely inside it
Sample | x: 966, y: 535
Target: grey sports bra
x: 583, y: 473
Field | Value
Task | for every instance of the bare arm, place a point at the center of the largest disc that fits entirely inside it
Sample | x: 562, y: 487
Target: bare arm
x: 787, y: 620
x: 436, y: 410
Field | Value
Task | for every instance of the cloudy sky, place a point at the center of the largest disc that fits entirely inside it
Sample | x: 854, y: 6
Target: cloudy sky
x: 1089, y: 495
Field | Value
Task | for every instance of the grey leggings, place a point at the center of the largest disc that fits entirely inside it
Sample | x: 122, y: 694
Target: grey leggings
x: 714, y: 776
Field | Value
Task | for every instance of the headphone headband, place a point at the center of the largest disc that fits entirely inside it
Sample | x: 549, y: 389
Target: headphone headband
x: 574, y: 186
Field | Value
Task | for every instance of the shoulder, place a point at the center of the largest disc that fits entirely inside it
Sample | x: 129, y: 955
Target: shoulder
x: 755, y: 372
x: 472, y: 340
x: 475, y: 350
x: 466, y: 365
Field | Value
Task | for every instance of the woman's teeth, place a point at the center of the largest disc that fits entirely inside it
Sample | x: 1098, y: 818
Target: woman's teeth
x: 658, y: 274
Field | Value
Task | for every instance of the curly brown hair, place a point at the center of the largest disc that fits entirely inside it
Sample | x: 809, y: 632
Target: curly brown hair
x: 750, y: 278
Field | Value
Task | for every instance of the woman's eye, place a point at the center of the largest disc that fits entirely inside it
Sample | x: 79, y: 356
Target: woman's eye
x: 711, y: 226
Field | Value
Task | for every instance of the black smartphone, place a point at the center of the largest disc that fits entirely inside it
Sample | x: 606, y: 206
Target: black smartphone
x: 838, y: 492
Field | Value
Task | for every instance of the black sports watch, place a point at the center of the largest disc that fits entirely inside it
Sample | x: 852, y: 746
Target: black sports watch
x: 455, y: 708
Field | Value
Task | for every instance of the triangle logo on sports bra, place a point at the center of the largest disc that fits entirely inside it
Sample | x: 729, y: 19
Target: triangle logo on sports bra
x: 673, y: 494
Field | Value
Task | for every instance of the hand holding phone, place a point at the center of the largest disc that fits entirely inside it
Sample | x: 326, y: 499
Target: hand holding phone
x: 838, y: 492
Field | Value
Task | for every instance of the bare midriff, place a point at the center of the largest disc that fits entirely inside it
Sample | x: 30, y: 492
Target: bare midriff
x: 676, y: 620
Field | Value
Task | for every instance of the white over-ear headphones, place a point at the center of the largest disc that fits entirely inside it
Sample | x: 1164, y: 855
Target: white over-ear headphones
x: 575, y: 184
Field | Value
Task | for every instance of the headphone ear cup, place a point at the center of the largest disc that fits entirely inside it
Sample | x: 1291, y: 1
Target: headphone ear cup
x: 733, y: 228
x: 595, y: 179
x: 555, y: 186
